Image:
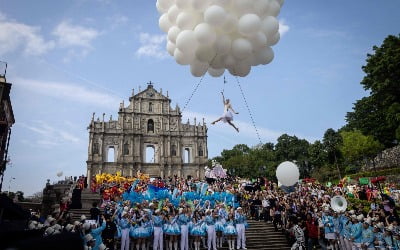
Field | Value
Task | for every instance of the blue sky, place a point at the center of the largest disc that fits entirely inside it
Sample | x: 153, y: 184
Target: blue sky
x: 68, y: 59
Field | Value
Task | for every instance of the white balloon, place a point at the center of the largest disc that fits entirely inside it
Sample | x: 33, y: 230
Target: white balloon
x: 272, y: 40
x: 258, y: 40
x: 183, y: 4
x: 164, y: 23
x: 270, y: 25
x: 222, y: 3
x: 187, y: 20
x: 241, y: 48
x: 173, y: 33
x: 215, y: 15
x: 216, y: 72
x: 243, y: 7
x: 249, y: 24
x: 205, y: 34
x: 218, y: 62
x: 173, y: 13
x: 264, y: 56
x: 223, y: 44
x: 165, y: 4
x: 205, y: 53
x: 200, y: 5
x: 261, y: 7
x: 171, y: 48
x: 274, y: 8
x: 242, y: 69
x: 230, y: 25
x: 186, y: 41
x: 229, y: 61
x: 287, y: 173
x: 183, y: 58
x: 198, y: 68
x: 59, y: 174
x: 160, y: 9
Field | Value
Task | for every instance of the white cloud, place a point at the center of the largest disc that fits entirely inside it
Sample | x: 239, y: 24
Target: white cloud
x: 69, y: 91
x: 151, y: 46
x: 118, y: 20
x: 18, y: 36
x: 48, y: 135
x: 283, y: 27
x: 69, y: 35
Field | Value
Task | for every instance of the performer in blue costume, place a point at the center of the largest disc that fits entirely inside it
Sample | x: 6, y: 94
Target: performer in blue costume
x: 172, y: 229
x: 183, y: 221
x: 198, y: 229
x: 158, y: 222
x: 219, y: 224
x: 240, y: 221
x: 210, y: 221
x: 230, y: 231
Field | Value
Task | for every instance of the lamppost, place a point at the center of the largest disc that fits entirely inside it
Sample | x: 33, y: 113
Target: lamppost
x: 9, y: 184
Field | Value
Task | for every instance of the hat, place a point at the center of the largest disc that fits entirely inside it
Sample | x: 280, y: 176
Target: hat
x: 83, y: 217
x: 126, y: 208
x: 88, y: 237
x: 49, y: 231
x: 86, y: 226
x: 360, y: 217
x: 354, y: 216
x: 239, y: 208
x: 389, y: 228
x: 180, y: 210
x: 57, y: 227
x: 69, y: 227
x: 157, y: 211
x: 368, y: 221
x: 76, y: 223
x: 151, y: 204
x: 102, y: 247
x: 351, y: 212
x: 32, y: 226
x: 40, y: 226
x: 124, y: 213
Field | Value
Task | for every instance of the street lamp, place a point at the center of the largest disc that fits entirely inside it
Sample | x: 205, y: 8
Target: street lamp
x: 9, y: 184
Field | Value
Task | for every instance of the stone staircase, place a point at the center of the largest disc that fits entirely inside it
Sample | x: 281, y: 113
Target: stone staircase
x: 262, y: 236
x: 87, y: 199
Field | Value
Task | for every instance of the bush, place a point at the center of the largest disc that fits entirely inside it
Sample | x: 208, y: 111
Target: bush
x: 385, y: 172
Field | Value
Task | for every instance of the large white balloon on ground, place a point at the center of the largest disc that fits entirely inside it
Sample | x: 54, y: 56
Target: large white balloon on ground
x: 217, y: 35
x: 287, y: 173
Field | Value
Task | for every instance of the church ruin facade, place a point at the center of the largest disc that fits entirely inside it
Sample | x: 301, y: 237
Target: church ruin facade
x: 149, y: 137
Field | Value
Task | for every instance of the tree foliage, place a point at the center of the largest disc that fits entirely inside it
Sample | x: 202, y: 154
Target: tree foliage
x: 379, y: 113
x: 356, y: 146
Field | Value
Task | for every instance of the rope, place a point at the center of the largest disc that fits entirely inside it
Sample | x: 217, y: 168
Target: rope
x: 248, y: 109
x: 197, y: 86
x: 223, y: 87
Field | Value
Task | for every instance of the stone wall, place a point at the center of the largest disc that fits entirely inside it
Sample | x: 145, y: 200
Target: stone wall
x: 389, y: 158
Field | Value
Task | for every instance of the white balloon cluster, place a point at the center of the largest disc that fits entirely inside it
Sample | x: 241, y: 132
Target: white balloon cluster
x: 214, y: 35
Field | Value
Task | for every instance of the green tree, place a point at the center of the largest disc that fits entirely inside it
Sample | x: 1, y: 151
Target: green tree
x: 317, y: 155
x: 356, y: 146
x: 379, y: 113
x: 332, y: 141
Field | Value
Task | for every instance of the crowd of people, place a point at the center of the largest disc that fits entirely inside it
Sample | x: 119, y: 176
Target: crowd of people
x: 176, y: 213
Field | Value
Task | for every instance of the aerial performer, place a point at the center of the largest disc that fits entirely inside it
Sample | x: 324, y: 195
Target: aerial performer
x: 227, y: 115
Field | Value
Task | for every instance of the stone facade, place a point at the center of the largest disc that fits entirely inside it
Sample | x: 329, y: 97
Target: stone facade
x: 147, y: 125
x: 389, y: 158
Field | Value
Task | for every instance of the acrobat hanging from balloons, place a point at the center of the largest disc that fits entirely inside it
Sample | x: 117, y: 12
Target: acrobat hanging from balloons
x: 227, y: 115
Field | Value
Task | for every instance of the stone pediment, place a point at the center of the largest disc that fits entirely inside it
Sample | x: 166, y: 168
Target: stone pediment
x: 150, y: 93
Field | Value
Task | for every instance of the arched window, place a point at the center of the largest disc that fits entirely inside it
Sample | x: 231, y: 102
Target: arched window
x: 173, y: 150
x: 150, y: 154
x: 150, y: 125
x: 186, y: 156
x: 150, y: 107
x: 200, y: 150
x: 111, y: 154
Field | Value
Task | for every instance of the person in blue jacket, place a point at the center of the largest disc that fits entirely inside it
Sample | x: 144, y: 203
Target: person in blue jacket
x: 367, y: 235
x: 96, y: 233
x: 356, y: 232
x: 378, y: 237
x: 329, y: 228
